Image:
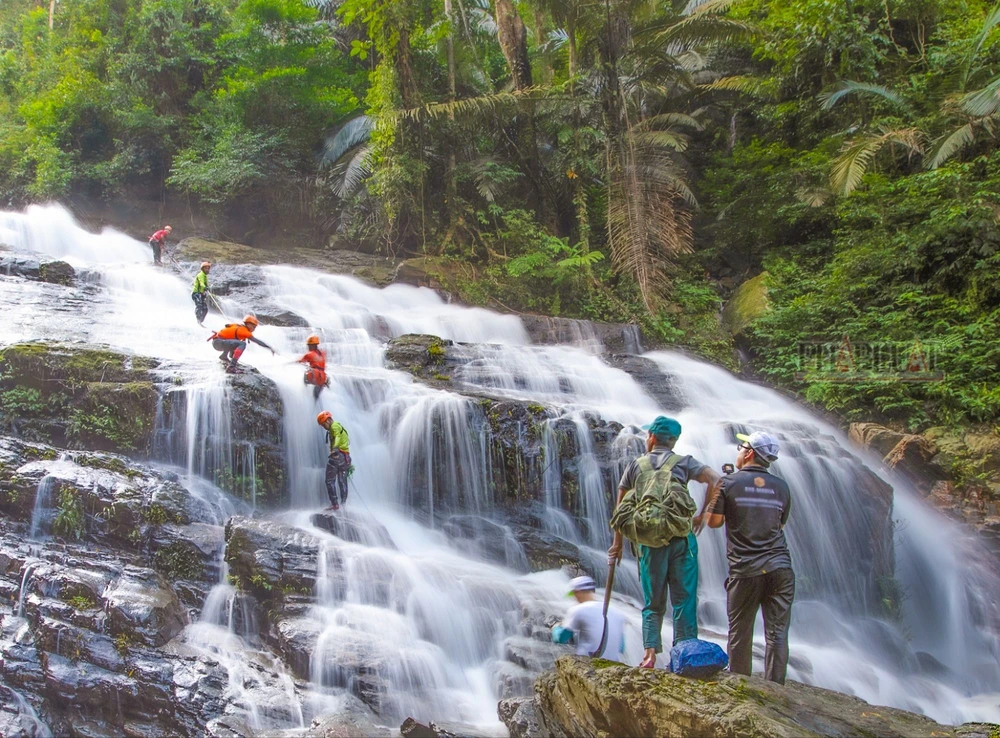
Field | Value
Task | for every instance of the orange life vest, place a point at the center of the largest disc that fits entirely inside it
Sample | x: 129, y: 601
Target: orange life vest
x: 234, y: 331
x: 316, y: 360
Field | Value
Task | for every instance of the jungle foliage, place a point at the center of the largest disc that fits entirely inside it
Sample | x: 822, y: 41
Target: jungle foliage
x: 617, y: 160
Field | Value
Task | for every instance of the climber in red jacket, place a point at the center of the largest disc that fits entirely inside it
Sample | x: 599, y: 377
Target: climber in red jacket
x: 315, y: 358
x: 156, y: 243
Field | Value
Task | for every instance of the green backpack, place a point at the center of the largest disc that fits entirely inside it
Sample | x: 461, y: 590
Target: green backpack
x: 659, y: 509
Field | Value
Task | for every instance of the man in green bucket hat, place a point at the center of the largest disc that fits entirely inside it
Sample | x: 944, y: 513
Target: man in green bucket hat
x: 667, y: 548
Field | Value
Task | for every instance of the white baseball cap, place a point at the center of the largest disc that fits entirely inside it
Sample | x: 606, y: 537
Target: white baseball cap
x: 581, y: 584
x: 761, y: 442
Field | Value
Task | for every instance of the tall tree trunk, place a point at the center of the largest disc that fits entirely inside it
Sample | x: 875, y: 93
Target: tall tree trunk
x: 540, y: 41
x: 52, y: 13
x: 404, y: 67
x: 451, y: 191
x: 513, y: 37
x: 571, y: 43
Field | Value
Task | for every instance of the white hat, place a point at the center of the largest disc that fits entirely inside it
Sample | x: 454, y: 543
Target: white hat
x: 581, y: 584
x: 761, y: 442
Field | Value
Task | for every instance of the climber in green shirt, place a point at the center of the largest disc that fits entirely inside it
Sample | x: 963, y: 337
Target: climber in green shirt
x: 200, y: 293
x: 339, y: 464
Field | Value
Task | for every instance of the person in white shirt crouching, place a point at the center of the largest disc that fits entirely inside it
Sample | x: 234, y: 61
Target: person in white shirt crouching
x: 585, y: 623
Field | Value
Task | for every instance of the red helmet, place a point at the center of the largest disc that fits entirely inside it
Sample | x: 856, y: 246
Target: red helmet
x: 312, y: 341
x: 251, y: 320
x: 324, y: 416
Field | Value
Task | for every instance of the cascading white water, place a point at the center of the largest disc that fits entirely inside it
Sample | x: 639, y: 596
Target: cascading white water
x: 430, y: 622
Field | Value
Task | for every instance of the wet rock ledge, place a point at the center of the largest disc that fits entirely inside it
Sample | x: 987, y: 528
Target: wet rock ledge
x: 587, y: 699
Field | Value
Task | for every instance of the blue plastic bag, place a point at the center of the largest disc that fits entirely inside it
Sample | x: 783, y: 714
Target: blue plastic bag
x: 697, y: 659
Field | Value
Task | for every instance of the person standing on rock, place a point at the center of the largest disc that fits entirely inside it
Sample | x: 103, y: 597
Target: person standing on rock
x: 670, y: 566
x: 231, y: 341
x: 754, y: 505
x: 338, y: 466
x: 156, y: 242
x: 315, y: 358
x: 199, y: 292
x: 585, y: 622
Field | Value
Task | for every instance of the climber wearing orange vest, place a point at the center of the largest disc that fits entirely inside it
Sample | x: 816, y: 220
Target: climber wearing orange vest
x: 232, y: 341
x: 316, y: 359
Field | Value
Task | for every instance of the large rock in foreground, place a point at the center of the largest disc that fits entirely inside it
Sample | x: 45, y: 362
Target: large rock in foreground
x: 581, y: 698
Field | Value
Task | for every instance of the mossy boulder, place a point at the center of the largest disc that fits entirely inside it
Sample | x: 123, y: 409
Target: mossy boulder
x: 588, y: 699
x: 56, y: 272
x: 429, y: 358
x: 78, y: 396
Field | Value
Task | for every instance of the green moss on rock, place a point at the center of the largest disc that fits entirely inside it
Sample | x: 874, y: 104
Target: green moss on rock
x: 178, y: 561
x: 78, y: 396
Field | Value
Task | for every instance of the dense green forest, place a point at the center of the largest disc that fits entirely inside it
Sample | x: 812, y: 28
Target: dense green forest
x: 617, y: 160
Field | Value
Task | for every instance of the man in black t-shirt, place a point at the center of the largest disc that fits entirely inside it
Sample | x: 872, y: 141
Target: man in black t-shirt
x: 754, y: 505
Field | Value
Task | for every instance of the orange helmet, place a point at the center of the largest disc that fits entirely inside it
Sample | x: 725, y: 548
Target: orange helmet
x: 324, y: 416
x: 251, y: 320
x: 312, y: 341
x: 206, y: 265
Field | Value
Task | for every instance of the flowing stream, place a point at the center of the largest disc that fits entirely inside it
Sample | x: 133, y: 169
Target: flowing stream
x: 430, y: 621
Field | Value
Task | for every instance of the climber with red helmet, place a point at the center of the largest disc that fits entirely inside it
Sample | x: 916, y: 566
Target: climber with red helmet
x: 156, y: 242
x: 315, y: 357
x: 338, y: 466
x: 232, y: 341
x: 199, y: 293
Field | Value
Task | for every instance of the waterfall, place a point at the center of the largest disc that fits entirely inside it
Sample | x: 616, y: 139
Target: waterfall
x: 406, y: 616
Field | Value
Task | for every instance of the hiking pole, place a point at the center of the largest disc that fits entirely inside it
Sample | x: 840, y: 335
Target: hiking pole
x: 607, y: 602
x: 215, y: 302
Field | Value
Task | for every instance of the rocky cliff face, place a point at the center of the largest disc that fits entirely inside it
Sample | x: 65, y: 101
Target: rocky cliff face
x: 91, y: 397
x: 596, y: 699
x: 956, y: 471
x: 103, y: 562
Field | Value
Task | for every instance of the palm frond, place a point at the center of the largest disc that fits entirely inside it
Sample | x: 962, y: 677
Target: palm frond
x: 991, y: 22
x: 480, y: 106
x: 669, y: 120
x: 554, y: 41
x: 949, y: 145
x: 850, y: 167
x: 814, y: 197
x: 701, y: 28
x: 983, y: 102
x: 662, y: 139
x: 482, y: 19
x: 353, y: 133
x: 707, y: 7
x: 648, y: 220
x: 350, y: 176
x: 847, y: 87
x: 745, y: 84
